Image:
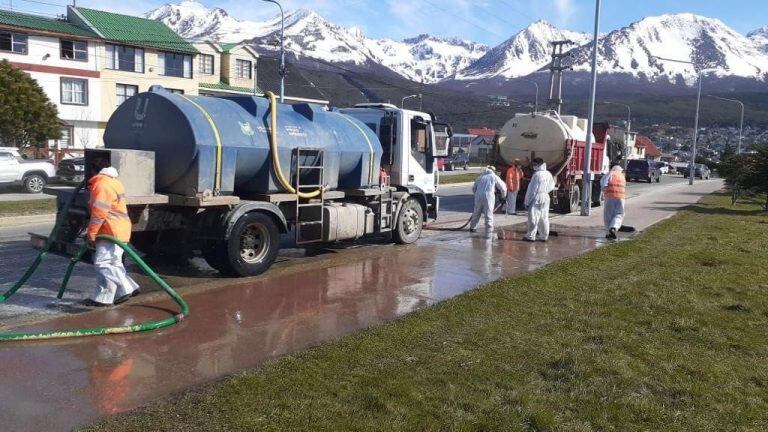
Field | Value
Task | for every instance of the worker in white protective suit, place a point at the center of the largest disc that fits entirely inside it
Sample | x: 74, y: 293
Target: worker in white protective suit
x: 614, y: 187
x: 484, y: 189
x: 537, y: 201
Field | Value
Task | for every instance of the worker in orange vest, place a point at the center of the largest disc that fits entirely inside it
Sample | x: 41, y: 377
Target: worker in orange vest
x: 614, y: 186
x: 514, y: 176
x: 109, y: 215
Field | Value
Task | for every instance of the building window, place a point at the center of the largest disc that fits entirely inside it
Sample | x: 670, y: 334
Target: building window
x: 74, y: 91
x: 242, y: 69
x: 125, y: 91
x: 177, y: 91
x: 74, y: 50
x: 65, y: 141
x: 206, y: 64
x: 13, y: 42
x: 175, y: 65
x: 125, y: 58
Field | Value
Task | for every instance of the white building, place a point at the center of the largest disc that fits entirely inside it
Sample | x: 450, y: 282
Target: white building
x: 62, y: 58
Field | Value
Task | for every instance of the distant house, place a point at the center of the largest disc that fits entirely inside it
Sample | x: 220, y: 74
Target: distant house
x: 481, y: 147
x: 622, y: 138
x: 651, y: 151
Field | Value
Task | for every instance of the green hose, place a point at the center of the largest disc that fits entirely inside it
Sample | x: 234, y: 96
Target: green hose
x: 152, y: 325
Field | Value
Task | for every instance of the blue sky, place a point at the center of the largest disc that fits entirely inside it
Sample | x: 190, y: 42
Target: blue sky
x: 487, y: 21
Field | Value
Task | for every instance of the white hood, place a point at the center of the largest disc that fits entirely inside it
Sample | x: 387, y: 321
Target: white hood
x: 109, y: 171
x: 542, y: 167
x: 617, y: 168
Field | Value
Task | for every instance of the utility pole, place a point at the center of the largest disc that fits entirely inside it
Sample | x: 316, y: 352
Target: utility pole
x: 556, y: 77
x: 741, y: 120
x: 586, y: 200
x: 281, y: 70
x: 421, y: 93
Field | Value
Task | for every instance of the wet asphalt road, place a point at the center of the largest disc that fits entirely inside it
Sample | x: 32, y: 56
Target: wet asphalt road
x: 237, y: 324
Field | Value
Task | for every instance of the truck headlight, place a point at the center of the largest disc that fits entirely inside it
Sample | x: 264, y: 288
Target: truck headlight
x: 79, y: 168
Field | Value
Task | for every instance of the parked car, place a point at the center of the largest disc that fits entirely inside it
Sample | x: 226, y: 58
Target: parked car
x: 701, y: 171
x: 663, y: 167
x: 71, y: 170
x: 32, y: 174
x: 643, y: 170
x: 455, y: 161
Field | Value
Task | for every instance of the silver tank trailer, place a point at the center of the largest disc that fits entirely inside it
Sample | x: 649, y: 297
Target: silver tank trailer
x: 182, y: 131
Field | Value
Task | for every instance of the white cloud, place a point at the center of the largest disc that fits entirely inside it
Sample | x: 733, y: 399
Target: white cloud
x: 565, y: 10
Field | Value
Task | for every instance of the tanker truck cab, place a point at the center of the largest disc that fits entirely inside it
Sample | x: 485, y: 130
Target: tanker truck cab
x: 410, y: 154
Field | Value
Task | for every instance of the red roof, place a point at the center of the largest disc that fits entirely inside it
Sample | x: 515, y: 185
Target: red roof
x: 650, y: 148
x: 482, y: 132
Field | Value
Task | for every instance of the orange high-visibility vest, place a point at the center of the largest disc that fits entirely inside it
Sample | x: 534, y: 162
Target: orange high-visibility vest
x: 514, y: 175
x: 109, y: 214
x: 617, y: 186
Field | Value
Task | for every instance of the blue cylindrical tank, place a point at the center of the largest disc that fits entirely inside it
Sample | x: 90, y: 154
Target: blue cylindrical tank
x: 206, y: 143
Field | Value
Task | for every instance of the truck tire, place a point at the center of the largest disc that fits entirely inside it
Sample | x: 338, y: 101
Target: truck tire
x: 34, y: 183
x: 410, y: 222
x: 597, y: 195
x: 571, y: 201
x: 251, y: 249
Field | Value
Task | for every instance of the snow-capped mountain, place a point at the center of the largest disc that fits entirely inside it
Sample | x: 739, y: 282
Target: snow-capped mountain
x: 624, y: 52
x: 759, y: 37
x: 308, y: 35
x: 714, y: 47
x: 522, y: 54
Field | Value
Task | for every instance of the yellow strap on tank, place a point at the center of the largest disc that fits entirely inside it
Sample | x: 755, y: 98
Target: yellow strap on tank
x: 217, y: 173
x: 370, y: 148
x: 275, y: 156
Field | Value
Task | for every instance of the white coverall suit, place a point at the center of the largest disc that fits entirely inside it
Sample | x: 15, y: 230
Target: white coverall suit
x: 613, y: 209
x: 485, y: 198
x: 537, y: 203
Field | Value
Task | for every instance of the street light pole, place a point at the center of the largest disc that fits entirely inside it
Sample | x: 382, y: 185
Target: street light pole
x: 402, y: 103
x: 281, y: 71
x: 629, y: 130
x: 692, y: 165
x: 536, y: 103
x: 741, y: 120
x: 586, y: 200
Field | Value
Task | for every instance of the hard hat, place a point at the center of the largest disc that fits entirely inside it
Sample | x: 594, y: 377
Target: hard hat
x: 517, y: 161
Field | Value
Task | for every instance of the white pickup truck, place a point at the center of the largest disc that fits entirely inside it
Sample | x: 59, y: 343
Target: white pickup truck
x: 33, y: 175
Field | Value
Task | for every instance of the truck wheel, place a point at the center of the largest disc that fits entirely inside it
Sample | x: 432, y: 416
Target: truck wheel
x: 252, y: 246
x: 571, y: 201
x: 597, y: 195
x: 466, y: 167
x: 34, y: 183
x: 410, y: 222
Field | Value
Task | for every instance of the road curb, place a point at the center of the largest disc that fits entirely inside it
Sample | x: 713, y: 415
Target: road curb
x: 10, y: 221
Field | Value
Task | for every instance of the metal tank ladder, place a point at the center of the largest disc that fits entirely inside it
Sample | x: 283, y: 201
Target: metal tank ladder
x: 309, y: 212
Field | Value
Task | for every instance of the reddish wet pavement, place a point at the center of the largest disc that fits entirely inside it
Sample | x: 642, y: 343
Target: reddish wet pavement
x: 63, y: 384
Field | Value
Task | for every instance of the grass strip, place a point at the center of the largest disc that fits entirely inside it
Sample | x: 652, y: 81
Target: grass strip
x: 459, y: 178
x: 666, y: 332
x: 28, y: 207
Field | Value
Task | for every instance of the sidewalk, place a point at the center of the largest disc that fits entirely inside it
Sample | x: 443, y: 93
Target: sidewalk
x: 239, y: 324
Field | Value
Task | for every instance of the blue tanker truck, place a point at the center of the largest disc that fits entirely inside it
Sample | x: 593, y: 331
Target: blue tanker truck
x: 229, y: 176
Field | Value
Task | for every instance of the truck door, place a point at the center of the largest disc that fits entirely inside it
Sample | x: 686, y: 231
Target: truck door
x: 421, y: 164
x: 9, y: 167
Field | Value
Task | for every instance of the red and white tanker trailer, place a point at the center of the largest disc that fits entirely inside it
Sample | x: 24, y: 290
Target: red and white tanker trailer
x: 560, y: 141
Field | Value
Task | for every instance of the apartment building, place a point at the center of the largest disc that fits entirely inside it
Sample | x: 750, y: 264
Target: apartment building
x: 91, y: 61
x: 63, y: 59
x: 226, y: 69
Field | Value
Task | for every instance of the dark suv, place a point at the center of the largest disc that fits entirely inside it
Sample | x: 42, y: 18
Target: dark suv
x: 643, y: 170
x: 456, y: 161
x: 701, y: 171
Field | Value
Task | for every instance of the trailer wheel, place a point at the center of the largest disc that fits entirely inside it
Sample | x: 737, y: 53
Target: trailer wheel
x: 251, y: 248
x: 410, y: 222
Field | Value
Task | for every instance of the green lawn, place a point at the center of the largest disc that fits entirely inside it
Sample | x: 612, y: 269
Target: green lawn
x: 28, y: 207
x: 666, y: 332
x: 458, y: 178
